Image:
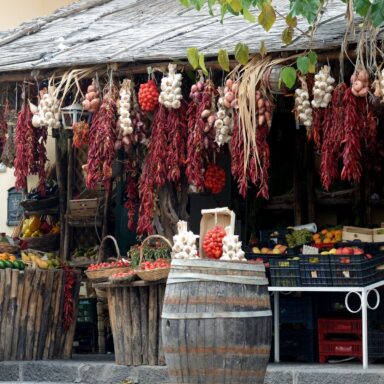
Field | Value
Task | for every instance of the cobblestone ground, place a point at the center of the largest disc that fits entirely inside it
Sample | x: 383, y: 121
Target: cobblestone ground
x: 101, y: 369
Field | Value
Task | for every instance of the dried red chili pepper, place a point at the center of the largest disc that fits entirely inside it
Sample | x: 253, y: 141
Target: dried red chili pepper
x: 102, y: 137
x: 352, y: 156
x: 24, y: 146
x: 70, y: 279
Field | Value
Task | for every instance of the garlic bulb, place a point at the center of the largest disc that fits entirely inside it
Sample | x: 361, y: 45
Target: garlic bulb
x: 378, y: 85
x: 232, y: 247
x: 303, y: 106
x: 48, y: 110
x: 125, y: 121
x: 170, y: 95
x: 323, y: 88
x: 184, y: 243
x: 224, y: 117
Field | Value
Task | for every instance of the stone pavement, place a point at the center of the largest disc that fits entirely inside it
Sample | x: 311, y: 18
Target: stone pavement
x: 101, y: 369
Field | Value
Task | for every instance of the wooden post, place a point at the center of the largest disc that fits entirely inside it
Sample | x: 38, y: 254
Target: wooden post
x: 310, y: 168
x: 61, y: 186
x: 100, y: 325
x: 297, y: 180
x: 108, y: 194
x: 68, y: 228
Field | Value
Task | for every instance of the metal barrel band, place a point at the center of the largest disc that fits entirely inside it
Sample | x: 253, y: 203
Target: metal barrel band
x: 217, y: 315
x: 218, y: 265
x: 175, y: 278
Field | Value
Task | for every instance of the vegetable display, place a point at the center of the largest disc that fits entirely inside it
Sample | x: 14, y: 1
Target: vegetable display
x: 201, y: 136
x: 125, y: 122
x: 170, y: 95
x: 80, y: 134
x: 102, y: 137
x: 92, y: 98
x: 213, y: 242
x: 322, y: 90
x: 148, y: 96
x: 47, y: 114
x: 24, y: 146
x: 224, y: 118
x: 232, y: 247
x: 184, y: 243
x: 215, y: 178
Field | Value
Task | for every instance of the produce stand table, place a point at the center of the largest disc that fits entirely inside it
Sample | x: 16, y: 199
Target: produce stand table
x: 361, y: 292
x: 31, y: 315
x: 135, y: 313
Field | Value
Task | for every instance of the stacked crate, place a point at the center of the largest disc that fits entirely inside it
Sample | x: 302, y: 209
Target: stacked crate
x: 297, y: 334
x: 339, y: 338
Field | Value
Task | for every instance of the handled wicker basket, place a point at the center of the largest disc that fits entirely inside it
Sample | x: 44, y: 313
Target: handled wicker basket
x: 154, y: 274
x: 101, y: 275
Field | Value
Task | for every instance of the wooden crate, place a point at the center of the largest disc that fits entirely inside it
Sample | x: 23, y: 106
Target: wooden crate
x: 212, y: 217
x: 377, y: 236
x: 89, y: 204
x: 357, y: 233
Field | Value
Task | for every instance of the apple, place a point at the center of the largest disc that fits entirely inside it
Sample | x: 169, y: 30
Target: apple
x: 358, y: 251
x: 256, y: 250
x: 339, y: 251
x: 347, y: 251
x: 264, y: 251
x: 276, y: 251
x: 333, y: 251
x: 368, y: 256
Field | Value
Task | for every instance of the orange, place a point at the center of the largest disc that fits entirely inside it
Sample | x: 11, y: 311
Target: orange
x: 327, y: 240
x: 329, y: 235
x: 324, y: 232
x: 318, y: 241
x: 316, y: 236
x: 338, y: 233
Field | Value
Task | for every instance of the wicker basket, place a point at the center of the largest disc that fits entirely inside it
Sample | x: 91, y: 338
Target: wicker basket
x: 102, y: 275
x: 154, y: 274
x: 122, y: 279
x: 8, y: 248
x: 40, y: 205
x: 45, y: 243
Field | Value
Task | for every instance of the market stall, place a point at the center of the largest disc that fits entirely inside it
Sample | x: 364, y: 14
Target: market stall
x: 151, y: 148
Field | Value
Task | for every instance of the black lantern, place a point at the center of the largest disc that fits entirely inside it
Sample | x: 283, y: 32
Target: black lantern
x: 73, y: 114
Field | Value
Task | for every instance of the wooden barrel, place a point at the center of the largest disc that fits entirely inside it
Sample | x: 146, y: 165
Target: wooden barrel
x: 217, y: 322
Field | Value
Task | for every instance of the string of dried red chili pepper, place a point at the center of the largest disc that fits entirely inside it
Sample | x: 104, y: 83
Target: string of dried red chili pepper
x: 352, y: 156
x: 102, y: 139
x: 70, y: 279
x: 24, y: 146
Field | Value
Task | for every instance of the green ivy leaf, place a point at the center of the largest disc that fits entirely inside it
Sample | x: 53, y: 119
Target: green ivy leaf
x: 377, y: 13
x: 291, y: 21
x: 288, y: 76
x: 202, y: 64
x: 211, y: 3
x: 263, y: 49
x: 224, y: 59
x: 362, y: 7
x: 312, y: 56
x: 193, y: 57
x: 248, y: 15
x: 267, y: 17
x: 185, y: 3
x: 242, y: 53
x: 236, y: 5
x: 305, y: 8
x: 303, y: 64
x: 198, y: 4
x: 224, y: 10
x: 287, y: 35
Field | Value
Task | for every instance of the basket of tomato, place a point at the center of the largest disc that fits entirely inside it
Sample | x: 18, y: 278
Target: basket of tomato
x: 153, y: 270
x: 213, y: 242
